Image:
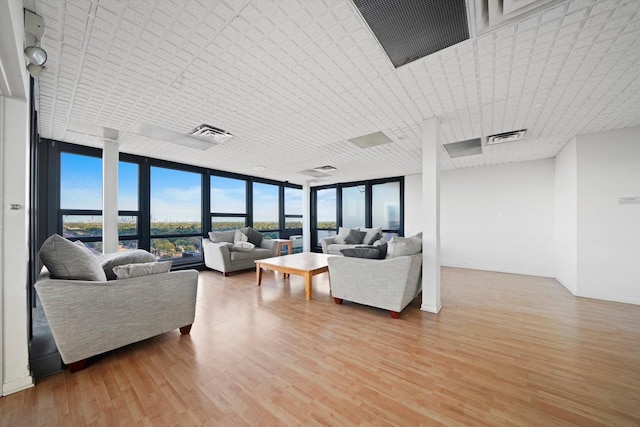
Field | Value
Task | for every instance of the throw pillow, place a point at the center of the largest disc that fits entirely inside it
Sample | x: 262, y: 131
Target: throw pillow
x: 109, y: 261
x: 370, y: 233
x: 402, y: 246
x: 255, y: 237
x: 374, y: 239
x: 222, y: 236
x: 128, y: 271
x: 67, y: 260
x: 342, y: 234
x: 354, y: 237
x: 243, y: 246
x: 239, y: 236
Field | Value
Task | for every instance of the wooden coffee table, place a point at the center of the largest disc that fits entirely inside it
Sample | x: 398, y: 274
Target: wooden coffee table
x: 306, y: 264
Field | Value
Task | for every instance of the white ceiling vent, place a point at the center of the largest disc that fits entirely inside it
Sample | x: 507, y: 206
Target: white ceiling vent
x: 371, y: 140
x: 211, y: 132
x: 500, y: 138
x: 491, y: 14
x: 326, y: 168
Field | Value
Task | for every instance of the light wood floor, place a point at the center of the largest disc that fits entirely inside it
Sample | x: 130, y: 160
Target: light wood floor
x: 504, y: 350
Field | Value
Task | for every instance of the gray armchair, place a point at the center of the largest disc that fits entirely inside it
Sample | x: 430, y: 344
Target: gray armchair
x: 390, y: 283
x: 92, y: 317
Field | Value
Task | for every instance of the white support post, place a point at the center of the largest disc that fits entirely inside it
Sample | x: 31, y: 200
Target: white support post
x: 306, y: 217
x: 110, y: 158
x: 431, y: 216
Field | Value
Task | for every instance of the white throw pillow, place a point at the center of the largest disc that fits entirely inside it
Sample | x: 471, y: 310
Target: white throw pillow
x: 343, y: 232
x: 239, y: 237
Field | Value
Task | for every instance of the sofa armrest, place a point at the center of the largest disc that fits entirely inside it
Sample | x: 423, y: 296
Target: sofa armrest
x: 388, y: 283
x: 217, y: 256
x: 272, y: 245
x: 325, y: 242
x: 89, y: 318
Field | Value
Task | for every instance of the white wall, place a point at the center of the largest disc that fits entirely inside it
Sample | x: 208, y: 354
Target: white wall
x: 412, y: 204
x: 566, y: 189
x: 14, y: 150
x: 497, y: 218
x: 608, y: 165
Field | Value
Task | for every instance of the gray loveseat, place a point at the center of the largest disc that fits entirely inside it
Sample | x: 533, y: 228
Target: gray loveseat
x: 89, y: 315
x: 390, y: 283
x: 346, y: 239
x: 221, y: 251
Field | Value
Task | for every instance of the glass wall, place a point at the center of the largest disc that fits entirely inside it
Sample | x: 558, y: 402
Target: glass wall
x: 176, y: 212
x: 376, y: 203
x: 327, y: 223
x: 228, y: 203
x: 385, y: 207
x: 353, y: 206
x: 266, y: 209
x: 293, y: 207
x: 128, y: 209
x: 81, y: 199
x: 163, y: 207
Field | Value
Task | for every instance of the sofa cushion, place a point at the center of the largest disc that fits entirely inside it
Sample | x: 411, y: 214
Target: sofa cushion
x: 402, y: 246
x: 242, y: 246
x: 109, y: 261
x: 222, y: 236
x: 354, y: 237
x: 370, y: 232
x: 255, y: 237
x: 335, y: 249
x: 127, y: 271
x: 256, y: 253
x: 66, y: 260
x: 369, y: 251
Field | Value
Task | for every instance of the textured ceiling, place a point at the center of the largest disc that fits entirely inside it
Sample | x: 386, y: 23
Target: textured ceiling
x: 294, y: 80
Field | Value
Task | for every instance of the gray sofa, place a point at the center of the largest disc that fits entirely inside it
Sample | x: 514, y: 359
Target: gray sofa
x: 89, y: 315
x: 221, y: 254
x: 332, y: 245
x: 390, y: 283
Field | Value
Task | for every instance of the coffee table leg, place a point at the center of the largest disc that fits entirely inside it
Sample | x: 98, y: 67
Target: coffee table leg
x: 307, y: 284
x: 259, y: 273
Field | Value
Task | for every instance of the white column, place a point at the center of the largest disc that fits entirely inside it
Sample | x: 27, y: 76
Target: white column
x: 14, y: 228
x: 306, y: 217
x: 431, y: 216
x: 110, y: 157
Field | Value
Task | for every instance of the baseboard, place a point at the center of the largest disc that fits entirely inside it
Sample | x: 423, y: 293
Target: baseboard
x: 431, y: 308
x: 17, y: 385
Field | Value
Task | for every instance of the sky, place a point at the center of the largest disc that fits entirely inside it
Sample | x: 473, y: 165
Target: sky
x: 175, y: 194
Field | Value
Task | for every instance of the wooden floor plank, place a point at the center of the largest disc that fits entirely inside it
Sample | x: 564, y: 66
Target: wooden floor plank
x: 505, y: 350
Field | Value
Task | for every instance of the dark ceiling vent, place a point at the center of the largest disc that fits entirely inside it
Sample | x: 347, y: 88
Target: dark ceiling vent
x: 469, y: 147
x: 211, y: 132
x: 411, y: 29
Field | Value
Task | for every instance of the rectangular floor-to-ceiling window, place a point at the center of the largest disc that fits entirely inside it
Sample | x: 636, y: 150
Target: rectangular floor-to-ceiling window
x: 176, y: 212
x: 293, y: 208
x: 128, y: 206
x: 375, y: 203
x: 326, y: 218
x: 385, y: 207
x: 80, y: 213
x: 266, y: 209
x: 353, y: 206
x: 228, y: 203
